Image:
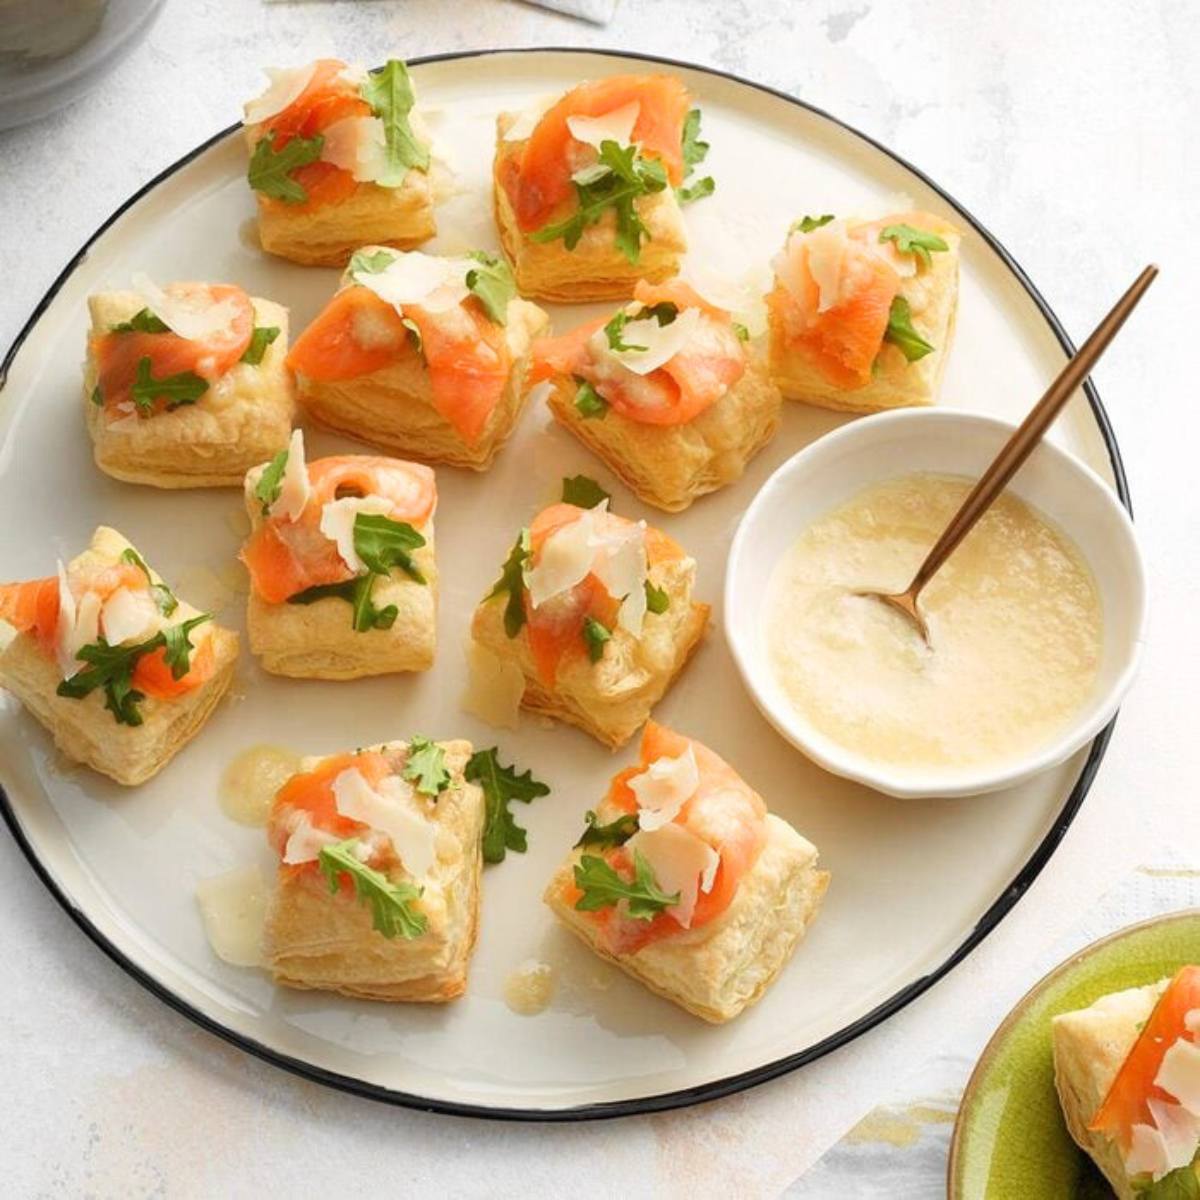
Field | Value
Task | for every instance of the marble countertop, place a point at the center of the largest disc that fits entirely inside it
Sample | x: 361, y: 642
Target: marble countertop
x: 1069, y: 129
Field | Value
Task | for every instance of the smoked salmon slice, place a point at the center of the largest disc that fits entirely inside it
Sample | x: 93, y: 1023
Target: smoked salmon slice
x: 32, y: 608
x: 356, y: 333
x: 153, y: 677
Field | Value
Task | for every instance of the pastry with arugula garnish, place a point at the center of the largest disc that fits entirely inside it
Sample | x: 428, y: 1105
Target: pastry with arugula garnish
x: 120, y: 670
x: 862, y: 312
x: 185, y: 386
x: 338, y: 157
x: 597, y: 613
x: 588, y: 190
x: 668, y: 391
x: 1127, y: 1070
x: 684, y: 880
x: 343, y: 581
x: 377, y: 891
x: 422, y: 356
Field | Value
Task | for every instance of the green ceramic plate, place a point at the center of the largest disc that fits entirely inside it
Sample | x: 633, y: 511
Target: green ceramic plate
x: 1010, y: 1142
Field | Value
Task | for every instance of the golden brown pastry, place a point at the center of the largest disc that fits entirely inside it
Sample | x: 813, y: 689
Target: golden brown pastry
x: 862, y: 312
x: 1127, y: 1071
x: 685, y: 881
x: 667, y: 391
x: 338, y: 158
x: 598, y: 614
x: 186, y: 386
x: 377, y: 891
x: 422, y: 356
x: 587, y: 190
x: 121, y: 671
x: 343, y: 579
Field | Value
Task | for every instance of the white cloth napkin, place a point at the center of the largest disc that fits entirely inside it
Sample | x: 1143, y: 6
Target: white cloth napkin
x: 599, y: 12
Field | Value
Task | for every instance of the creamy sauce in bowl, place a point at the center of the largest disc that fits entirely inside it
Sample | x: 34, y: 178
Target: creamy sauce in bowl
x: 1014, y: 618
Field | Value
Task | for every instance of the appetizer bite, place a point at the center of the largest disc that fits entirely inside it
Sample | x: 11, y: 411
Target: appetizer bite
x: 338, y: 158
x: 420, y: 355
x: 667, y: 392
x: 185, y: 386
x: 685, y: 881
x: 377, y: 891
x: 1127, y: 1071
x: 119, y: 669
x: 862, y: 312
x: 588, y: 191
x: 343, y: 581
x: 597, y: 612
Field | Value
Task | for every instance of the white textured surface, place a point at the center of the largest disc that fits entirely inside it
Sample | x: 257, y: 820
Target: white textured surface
x: 1069, y: 129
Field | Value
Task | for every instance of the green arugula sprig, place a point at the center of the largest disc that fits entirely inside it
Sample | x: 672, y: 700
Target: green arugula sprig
x: 142, y: 321
x: 512, y: 584
x: 260, y: 339
x: 184, y: 388
x: 615, y: 833
x: 657, y: 599
x: 364, y: 614
x: 270, y: 482
x: 1181, y: 1184
x: 808, y: 224
x: 664, y: 313
x: 501, y: 785
x: 694, y: 153
x: 112, y: 667
x: 914, y: 241
x: 619, y: 177
x: 900, y: 332
x: 389, y: 92
x: 375, y: 263
x: 594, y: 637
x: 164, y: 598
x: 588, y: 402
x: 602, y: 887
x: 270, y: 169
x: 583, y: 492
x: 493, y: 284
x: 425, y: 767
x: 392, y: 904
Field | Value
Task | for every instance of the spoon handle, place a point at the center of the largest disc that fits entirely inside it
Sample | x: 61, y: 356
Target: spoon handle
x: 1027, y: 435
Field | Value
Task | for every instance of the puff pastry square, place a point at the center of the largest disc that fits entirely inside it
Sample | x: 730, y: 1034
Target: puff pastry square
x: 715, y: 969
x: 84, y: 729
x: 612, y: 696
x: 244, y: 417
x: 931, y: 294
x: 394, y: 406
x: 318, y: 939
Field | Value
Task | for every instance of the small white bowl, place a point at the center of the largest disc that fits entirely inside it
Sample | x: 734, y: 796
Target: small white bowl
x: 877, y: 448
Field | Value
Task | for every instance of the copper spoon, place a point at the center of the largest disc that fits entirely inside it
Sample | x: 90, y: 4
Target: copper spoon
x: 1014, y: 453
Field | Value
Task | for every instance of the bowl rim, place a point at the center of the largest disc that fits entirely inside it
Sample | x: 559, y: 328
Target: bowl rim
x: 912, y: 784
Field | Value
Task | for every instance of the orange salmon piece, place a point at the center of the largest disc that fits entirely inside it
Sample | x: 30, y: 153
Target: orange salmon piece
x: 32, y: 608
x: 153, y: 677
x: 356, y: 333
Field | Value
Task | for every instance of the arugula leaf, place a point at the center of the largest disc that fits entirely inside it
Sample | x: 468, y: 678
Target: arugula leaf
x: 664, y: 313
x: 615, y: 833
x: 696, y: 191
x: 657, y: 599
x: 501, y: 785
x: 178, y: 645
x: 808, y: 224
x: 1180, y: 1184
x: 184, y: 388
x: 97, y: 396
x: 142, y: 321
x: 583, y: 492
x: 270, y: 169
x: 694, y: 152
x: 270, y: 482
x: 914, y: 241
x: 260, y: 339
x: 588, y: 401
x: 594, y: 636
x: 357, y: 593
x: 164, y: 598
x: 628, y: 177
x: 492, y: 282
x: 900, y: 332
x: 389, y: 92
x: 512, y: 581
x: 425, y: 766
x: 602, y: 887
x: 383, y: 544
x: 743, y: 334
x: 362, y: 263
x: 391, y: 904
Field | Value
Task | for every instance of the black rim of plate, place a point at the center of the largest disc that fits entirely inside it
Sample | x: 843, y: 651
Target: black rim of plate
x: 732, y: 1083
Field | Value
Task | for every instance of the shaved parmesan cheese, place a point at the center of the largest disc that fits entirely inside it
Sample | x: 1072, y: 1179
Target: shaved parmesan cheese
x: 337, y: 524
x: 294, y: 488
x: 826, y: 247
x: 129, y: 616
x: 616, y: 126
x: 1180, y: 1131
x: 193, y: 316
x: 495, y: 686
x: 1179, y: 1074
x: 566, y: 558
x: 661, y: 342
x: 66, y: 624
x: 1147, y: 1152
x: 664, y: 787
x: 392, y: 810
x: 306, y: 841
x: 621, y: 567
x: 434, y: 284
x: 287, y: 85
x: 528, y: 119
x: 357, y: 145
x: 681, y: 863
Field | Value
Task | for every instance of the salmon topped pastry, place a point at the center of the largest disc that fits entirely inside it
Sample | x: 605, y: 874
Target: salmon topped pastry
x: 596, y: 612
x: 184, y: 385
x: 338, y: 157
x: 588, y: 187
x: 420, y: 355
x: 684, y: 880
x: 669, y: 392
x: 341, y: 560
x: 119, y: 669
x: 862, y: 312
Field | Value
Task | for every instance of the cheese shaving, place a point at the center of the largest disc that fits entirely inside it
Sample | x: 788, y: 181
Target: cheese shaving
x: 621, y: 567
x: 306, y: 841
x: 66, y: 625
x: 661, y: 342
x: 294, y: 487
x: 357, y: 145
x: 286, y: 87
x: 432, y: 283
x: 664, y: 787
x: 1180, y: 1131
x: 337, y: 524
x: 681, y: 863
x: 392, y: 810
x: 566, y: 558
x: 616, y: 126
x: 193, y: 316
x: 129, y: 616
x: 1179, y: 1074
